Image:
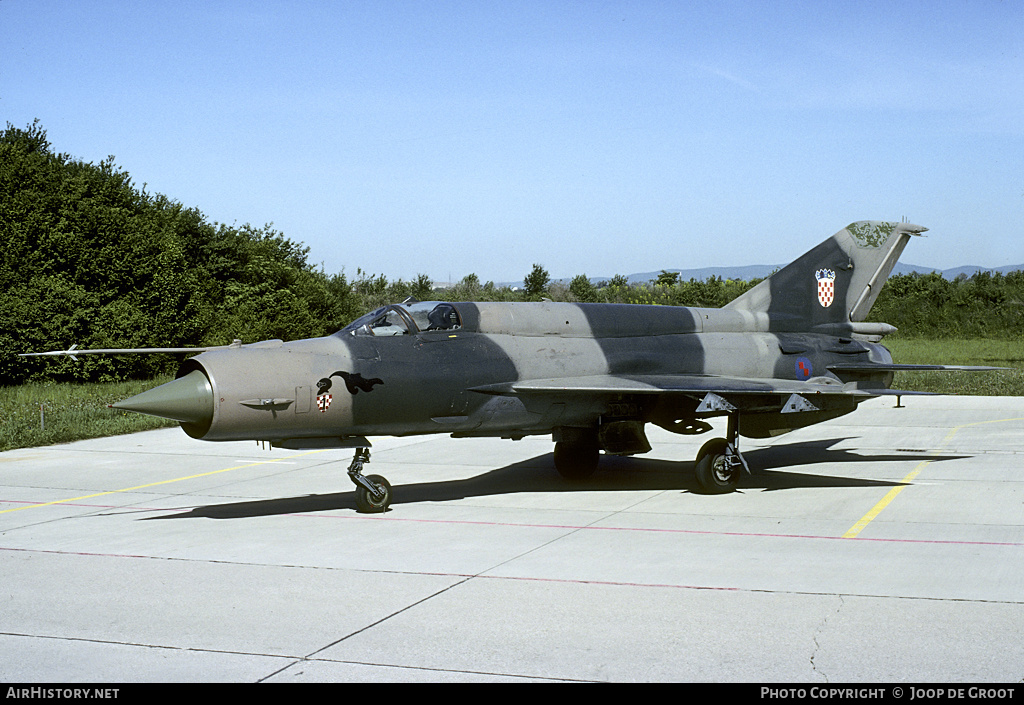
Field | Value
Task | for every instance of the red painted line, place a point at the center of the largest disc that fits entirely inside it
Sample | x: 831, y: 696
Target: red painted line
x: 611, y: 583
x: 606, y: 582
x: 667, y: 531
x: 567, y: 527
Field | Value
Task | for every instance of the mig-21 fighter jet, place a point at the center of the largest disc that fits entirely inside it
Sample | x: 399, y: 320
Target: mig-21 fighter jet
x: 792, y: 351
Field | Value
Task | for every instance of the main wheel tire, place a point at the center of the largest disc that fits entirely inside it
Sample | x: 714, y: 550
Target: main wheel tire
x: 715, y: 474
x: 367, y: 503
x: 576, y: 461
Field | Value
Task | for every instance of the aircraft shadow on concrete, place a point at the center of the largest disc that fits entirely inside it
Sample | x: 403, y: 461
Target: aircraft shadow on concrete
x: 614, y: 474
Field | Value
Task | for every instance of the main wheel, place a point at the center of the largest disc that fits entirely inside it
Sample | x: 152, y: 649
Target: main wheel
x: 576, y: 461
x: 367, y: 503
x: 715, y: 474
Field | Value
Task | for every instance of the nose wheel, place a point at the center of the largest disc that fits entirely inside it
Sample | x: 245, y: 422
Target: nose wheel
x: 373, y: 493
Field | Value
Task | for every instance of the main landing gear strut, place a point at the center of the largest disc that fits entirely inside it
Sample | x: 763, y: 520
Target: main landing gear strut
x: 719, y: 461
x: 373, y: 493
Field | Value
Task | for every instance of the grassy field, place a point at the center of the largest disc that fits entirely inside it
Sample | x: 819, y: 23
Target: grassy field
x: 72, y: 412
x: 993, y: 353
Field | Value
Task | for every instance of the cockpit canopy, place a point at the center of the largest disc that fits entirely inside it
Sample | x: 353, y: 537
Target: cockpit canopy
x: 406, y: 319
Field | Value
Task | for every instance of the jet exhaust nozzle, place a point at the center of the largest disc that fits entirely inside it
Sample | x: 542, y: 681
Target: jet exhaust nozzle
x: 188, y: 400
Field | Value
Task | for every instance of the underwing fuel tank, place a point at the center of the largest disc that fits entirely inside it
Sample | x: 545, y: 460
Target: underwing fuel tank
x: 270, y: 391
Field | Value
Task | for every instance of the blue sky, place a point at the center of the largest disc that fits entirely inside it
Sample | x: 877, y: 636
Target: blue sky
x: 450, y: 138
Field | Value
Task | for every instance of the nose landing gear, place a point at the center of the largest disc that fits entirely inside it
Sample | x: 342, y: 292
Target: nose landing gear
x: 373, y: 493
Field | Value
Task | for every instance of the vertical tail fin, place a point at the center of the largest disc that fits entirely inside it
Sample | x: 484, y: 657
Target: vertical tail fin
x: 836, y: 283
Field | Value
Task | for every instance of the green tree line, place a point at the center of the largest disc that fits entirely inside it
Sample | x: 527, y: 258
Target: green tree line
x: 90, y: 259
x: 985, y: 305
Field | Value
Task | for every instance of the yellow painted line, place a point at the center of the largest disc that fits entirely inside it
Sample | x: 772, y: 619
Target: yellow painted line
x: 154, y: 484
x: 894, y: 492
x: 877, y: 509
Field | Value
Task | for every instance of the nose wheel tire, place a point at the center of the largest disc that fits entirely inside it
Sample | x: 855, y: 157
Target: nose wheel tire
x: 373, y: 493
x: 370, y: 503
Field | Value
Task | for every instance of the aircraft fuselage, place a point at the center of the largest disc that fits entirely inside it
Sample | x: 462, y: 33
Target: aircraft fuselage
x: 461, y: 380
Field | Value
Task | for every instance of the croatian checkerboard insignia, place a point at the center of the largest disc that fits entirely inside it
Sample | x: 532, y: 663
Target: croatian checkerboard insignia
x: 826, y: 286
x: 323, y: 402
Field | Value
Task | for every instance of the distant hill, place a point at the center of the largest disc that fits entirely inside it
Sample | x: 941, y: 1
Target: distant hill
x: 763, y: 270
x: 755, y: 271
x: 967, y: 270
x: 747, y: 273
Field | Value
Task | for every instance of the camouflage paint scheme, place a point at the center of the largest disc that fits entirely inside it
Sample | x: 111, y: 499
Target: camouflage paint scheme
x: 513, y: 369
x: 791, y: 352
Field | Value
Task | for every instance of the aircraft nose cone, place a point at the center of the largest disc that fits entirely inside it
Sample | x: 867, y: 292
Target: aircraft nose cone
x: 188, y: 399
